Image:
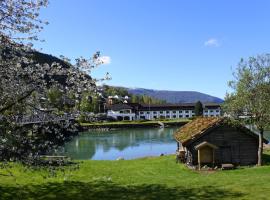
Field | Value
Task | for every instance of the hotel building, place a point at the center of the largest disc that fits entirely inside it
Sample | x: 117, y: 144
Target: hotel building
x: 135, y: 111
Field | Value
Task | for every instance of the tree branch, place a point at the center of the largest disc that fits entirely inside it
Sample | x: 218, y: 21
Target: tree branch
x: 20, y: 99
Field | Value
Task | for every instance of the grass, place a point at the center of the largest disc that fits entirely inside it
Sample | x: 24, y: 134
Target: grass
x: 136, y: 122
x: 147, y: 178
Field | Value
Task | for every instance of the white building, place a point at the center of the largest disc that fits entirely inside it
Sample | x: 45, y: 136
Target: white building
x: 121, y: 112
x: 163, y: 111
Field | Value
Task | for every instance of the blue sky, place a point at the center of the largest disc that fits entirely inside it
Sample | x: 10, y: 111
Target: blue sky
x: 184, y: 45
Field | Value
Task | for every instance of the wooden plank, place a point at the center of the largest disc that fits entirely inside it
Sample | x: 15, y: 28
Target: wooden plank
x: 199, y: 159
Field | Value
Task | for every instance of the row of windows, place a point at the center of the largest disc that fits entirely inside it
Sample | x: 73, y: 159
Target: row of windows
x: 169, y: 117
x: 167, y: 112
x: 175, y: 116
x: 206, y: 111
x: 180, y: 111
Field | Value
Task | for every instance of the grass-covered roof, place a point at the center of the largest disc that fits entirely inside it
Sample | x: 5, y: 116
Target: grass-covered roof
x: 195, y: 128
x: 200, y: 125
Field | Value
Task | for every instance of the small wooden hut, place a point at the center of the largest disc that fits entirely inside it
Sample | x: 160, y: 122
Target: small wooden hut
x: 216, y: 141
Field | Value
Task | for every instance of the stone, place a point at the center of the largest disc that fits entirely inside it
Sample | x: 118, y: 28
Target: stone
x: 120, y: 158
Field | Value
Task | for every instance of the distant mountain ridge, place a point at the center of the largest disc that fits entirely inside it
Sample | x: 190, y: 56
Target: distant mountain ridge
x: 176, y: 96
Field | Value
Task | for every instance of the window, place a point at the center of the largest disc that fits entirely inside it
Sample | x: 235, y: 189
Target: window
x: 148, y: 112
x: 155, y: 112
x: 167, y: 111
x: 180, y: 116
x: 174, y: 116
x: 211, y: 111
x: 167, y: 116
x: 187, y: 116
x: 174, y: 111
x: 187, y: 111
x: 192, y: 111
x: 161, y: 112
x: 121, y: 111
x: 141, y: 113
x: 206, y: 111
x: 180, y: 111
x: 217, y: 111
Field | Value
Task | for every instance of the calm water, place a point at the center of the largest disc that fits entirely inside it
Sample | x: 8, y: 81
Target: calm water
x: 126, y: 143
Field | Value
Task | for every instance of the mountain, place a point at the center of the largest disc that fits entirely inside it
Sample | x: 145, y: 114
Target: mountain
x: 43, y: 58
x: 176, y: 96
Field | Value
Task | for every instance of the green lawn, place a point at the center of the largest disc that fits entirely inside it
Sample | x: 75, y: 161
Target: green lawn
x: 136, y: 122
x: 148, y: 178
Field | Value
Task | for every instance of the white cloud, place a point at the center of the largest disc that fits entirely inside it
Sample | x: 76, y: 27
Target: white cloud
x: 105, y: 59
x: 212, y: 42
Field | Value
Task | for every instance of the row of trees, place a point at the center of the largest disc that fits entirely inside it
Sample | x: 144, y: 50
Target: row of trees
x: 122, y: 92
x: 144, y: 99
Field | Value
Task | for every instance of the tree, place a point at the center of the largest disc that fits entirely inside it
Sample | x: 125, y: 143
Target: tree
x: 20, y: 19
x: 90, y: 103
x: 198, y: 109
x: 26, y: 83
x: 250, y: 95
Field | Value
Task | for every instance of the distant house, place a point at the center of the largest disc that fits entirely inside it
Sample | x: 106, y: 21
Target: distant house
x: 117, y: 99
x: 121, y: 112
x: 216, y: 141
x: 136, y: 111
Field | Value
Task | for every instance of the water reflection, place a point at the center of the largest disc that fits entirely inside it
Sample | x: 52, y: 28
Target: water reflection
x: 126, y: 143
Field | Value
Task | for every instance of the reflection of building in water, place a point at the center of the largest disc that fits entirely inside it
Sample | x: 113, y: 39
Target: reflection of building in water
x: 135, y: 111
x: 128, y: 142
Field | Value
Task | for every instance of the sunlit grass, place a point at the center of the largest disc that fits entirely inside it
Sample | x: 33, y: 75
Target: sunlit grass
x: 136, y: 122
x: 145, y: 178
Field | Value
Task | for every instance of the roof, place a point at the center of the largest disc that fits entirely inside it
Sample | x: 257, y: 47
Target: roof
x: 211, y: 105
x: 195, y: 128
x: 203, y: 144
x: 199, y: 126
x: 157, y: 107
x: 178, y: 106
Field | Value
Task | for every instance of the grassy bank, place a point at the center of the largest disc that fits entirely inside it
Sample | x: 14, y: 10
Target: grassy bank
x: 148, y: 178
x: 133, y: 124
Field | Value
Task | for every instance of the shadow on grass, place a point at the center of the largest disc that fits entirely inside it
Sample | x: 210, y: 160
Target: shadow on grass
x: 266, y: 159
x: 100, y: 190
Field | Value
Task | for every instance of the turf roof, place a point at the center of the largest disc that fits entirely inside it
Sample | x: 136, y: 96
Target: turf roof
x: 195, y: 128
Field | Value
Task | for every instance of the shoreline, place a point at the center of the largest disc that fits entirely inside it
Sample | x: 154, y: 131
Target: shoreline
x: 132, y: 124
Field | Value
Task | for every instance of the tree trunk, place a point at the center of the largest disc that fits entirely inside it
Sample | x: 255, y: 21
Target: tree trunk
x: 260, y: 149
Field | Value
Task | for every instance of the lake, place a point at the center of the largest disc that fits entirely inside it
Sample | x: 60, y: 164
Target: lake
x: 125, y: 143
